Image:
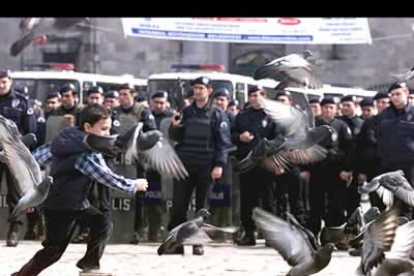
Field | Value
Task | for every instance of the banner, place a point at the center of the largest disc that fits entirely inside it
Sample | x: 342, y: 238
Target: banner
x: 282, y: 30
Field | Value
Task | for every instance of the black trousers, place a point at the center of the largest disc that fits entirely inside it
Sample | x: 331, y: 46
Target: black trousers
x: 325, y: 186
x: 289, y: 196
x: 12, y: 193
x: 255, y: 184
x: 200, y: 180
x: 60, y: 225
x: 100, y: 198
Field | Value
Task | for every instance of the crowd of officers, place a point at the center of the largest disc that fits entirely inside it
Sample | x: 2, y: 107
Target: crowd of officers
x: 211, y: 132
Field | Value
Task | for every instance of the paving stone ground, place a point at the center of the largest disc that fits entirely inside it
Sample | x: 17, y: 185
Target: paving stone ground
x: 128, y: 260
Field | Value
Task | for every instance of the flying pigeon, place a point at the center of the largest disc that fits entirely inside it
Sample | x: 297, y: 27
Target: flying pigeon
x: 148, y: 148
x: 293, y: 70
x: 293, y: 244
x: 24, y: 168
x: 299, y: 144
x: 33, y: 26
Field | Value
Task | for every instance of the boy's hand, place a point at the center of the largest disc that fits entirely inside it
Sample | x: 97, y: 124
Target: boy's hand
x: 142, y: 184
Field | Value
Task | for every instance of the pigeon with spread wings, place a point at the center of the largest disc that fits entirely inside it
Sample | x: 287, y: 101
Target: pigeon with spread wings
x: 150, y: 149
x: 299, y: 144
x: 293, y: 70
x: 23, y: 167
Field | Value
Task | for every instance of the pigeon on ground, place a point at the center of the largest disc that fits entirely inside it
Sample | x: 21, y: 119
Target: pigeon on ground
x: 149, y: 148
x: 298, y: 145
x: 293, y: 244
x: 293, y: 70
x: 24, y: 168
x: 193, y: 232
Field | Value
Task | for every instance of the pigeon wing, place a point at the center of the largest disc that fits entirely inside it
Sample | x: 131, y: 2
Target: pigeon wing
x: 287, y: 239
x: 378, y: 238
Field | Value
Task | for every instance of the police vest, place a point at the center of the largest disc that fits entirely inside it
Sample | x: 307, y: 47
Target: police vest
x: 198, y: 145
x: 129, y: 120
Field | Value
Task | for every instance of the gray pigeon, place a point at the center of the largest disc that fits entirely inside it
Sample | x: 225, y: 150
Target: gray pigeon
x: 32, y: 26
x: 24, y: 168
x: 397, y: 260
x: 192, y: 232
x: 293, y: 70
x: 293, y: 244
x: 390, y: 185
x: 406, y: 77
x: 299, y: 145
x: 352, y: 227
x: 378, y: 238
x: 148, y: 148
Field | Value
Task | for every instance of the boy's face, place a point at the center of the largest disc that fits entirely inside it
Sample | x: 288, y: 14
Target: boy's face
x: 101, y: 128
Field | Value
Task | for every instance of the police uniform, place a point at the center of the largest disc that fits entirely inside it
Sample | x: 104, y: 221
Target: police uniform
x: 324, y: 176
x: 15, y: 106
x: 352, y: 198
x: 288, y: 187
x: 55, y: 122
x: 203, y: 143
x: 258, y: 182
x: 397, y: 139
x: 128, y: 118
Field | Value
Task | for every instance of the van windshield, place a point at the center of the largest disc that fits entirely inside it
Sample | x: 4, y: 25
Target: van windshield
x: 39, y: 88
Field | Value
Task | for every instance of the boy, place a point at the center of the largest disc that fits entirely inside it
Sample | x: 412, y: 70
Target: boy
x: 74, y: 167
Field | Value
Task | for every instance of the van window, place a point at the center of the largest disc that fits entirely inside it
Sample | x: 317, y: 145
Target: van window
x: 39, y: 88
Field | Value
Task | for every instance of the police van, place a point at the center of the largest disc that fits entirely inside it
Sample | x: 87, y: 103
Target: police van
x: 177, y: 84
x: 40, y: 83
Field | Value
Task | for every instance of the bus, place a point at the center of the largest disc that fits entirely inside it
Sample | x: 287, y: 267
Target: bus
x: 40, y: 83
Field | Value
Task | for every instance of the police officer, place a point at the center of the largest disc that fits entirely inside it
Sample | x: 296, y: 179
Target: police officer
x: 329, y: 176
x: 288, y: 184
x: 129, y: 113
x: 222, y: 100
x: 411, y: 97
x: 66, y: 114
x: 397, y: 135
x: 251, y: 126
x: 368, y: 108
x: 315, y: 105
x: 111, y: 99
x: 368, y: 161
x: 15, y: 107
x: 203, y: 136
x: 160, y: 186
x: 349, y: 107
x: 234, y: 107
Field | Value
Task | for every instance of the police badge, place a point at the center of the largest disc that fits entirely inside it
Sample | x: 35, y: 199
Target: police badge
x: 15, y: 103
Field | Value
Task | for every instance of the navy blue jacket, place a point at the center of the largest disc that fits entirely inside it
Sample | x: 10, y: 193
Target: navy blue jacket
x: 16, y: 107
x: 70, y: 187
x: 256, y: 122
x: 204, y: 138
x: 397, y: 137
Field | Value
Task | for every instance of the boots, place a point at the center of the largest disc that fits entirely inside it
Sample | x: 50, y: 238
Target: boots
x: 248, y: 239
x: 13, y: 235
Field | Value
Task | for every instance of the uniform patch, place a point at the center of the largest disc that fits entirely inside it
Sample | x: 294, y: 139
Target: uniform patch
x: 15, y: 103
x: 30, y: 111
x: 116, y: 123
x: 223, y: 125
x: 151, y: 117
x: 334, y: 136
x: 264, y: 123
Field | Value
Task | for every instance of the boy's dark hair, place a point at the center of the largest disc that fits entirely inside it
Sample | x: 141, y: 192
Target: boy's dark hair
x: 92, y: 114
